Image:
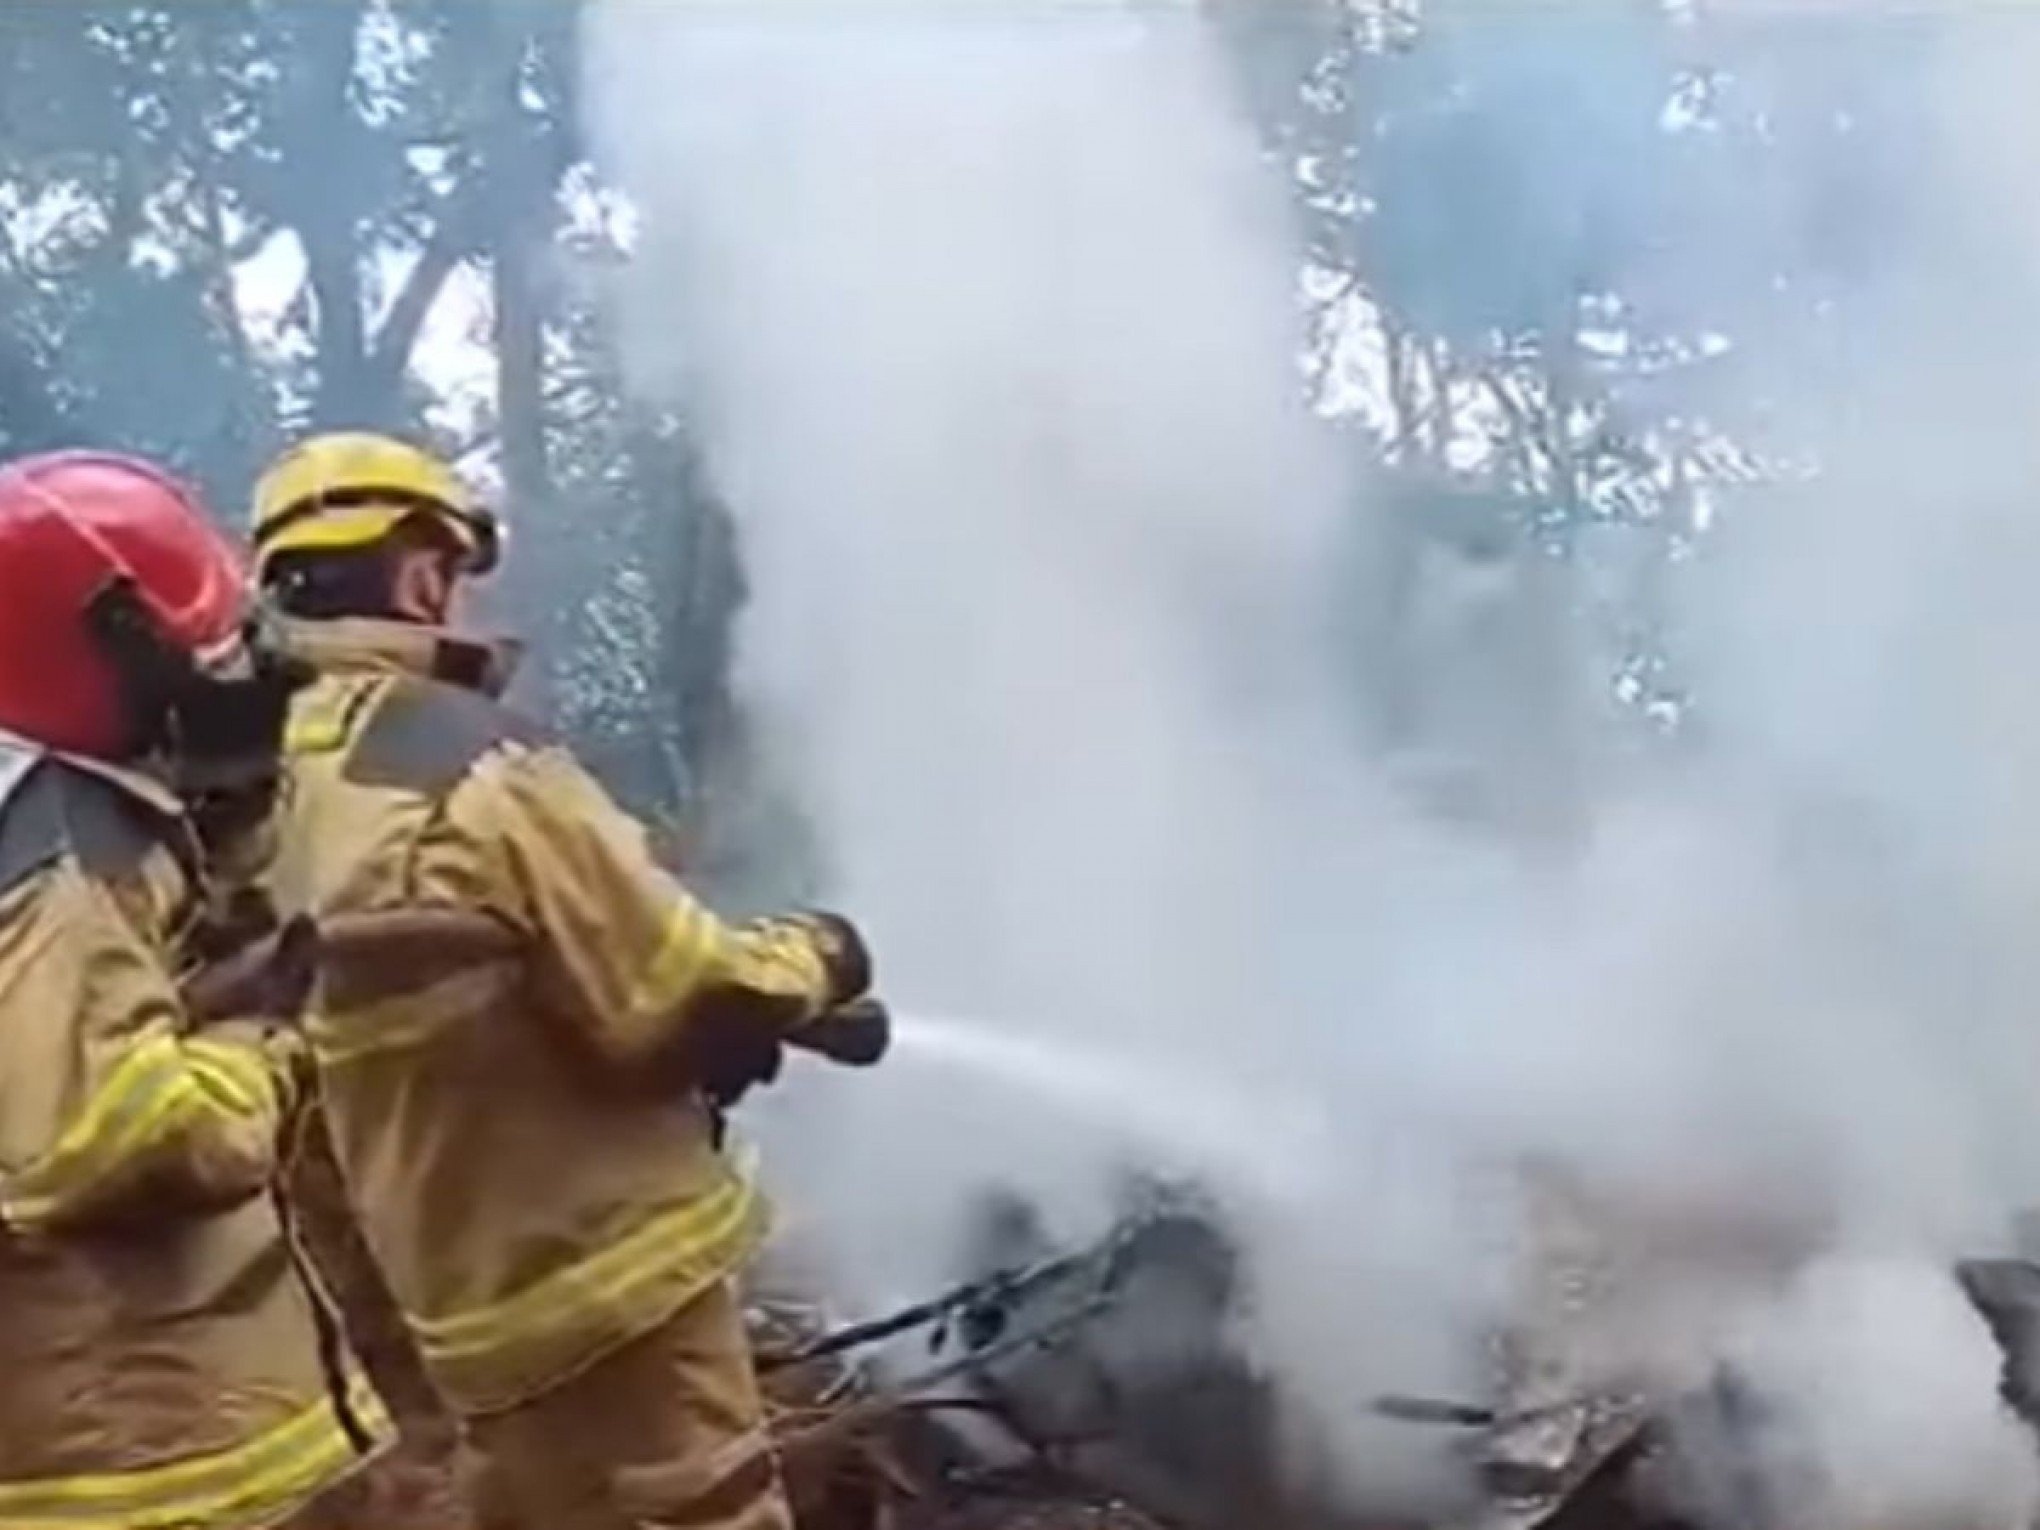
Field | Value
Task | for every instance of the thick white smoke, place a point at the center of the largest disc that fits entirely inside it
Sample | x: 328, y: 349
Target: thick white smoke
x: 991, y: 322
x: 987, y: 317
x: 1866, y: 1360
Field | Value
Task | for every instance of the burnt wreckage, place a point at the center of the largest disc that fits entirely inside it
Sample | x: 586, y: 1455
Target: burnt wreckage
x: 1108, y: 1374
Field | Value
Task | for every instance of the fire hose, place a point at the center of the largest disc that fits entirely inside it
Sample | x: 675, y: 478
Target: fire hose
x: 272, y: 975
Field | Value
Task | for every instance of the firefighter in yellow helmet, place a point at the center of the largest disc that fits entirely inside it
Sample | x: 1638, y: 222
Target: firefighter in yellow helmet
x: 531, y: 1135
x: 162, y: 1367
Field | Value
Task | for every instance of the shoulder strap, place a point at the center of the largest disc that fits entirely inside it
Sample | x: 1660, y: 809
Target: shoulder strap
x: 425, y: 736
x: 49, y: 809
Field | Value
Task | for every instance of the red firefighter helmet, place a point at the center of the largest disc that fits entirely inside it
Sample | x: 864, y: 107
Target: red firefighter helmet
x: 71, y: 524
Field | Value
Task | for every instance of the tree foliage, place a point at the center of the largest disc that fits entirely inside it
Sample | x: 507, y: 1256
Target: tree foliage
x: 1536, y: 244
x: 1543, y: 247
x: 228, y: 223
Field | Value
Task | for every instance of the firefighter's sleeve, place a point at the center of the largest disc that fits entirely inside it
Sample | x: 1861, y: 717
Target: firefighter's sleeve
x: 126, y: 1113
x: 631, y: 959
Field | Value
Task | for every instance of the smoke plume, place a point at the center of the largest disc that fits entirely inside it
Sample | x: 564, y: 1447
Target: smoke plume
x: 988, y: 319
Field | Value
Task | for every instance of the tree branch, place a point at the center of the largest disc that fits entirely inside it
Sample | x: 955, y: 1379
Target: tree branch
x: 297, y: 313
x: 257, y: 234
x: 487, y: 438
x: 1532, y: 442
x: 451, y: 242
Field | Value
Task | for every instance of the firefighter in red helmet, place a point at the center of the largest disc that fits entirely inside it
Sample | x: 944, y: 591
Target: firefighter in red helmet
x: 164, y: 1365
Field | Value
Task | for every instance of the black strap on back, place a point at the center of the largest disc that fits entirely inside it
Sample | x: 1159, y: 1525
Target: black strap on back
x: 425, y: 736
x: 54, y: 809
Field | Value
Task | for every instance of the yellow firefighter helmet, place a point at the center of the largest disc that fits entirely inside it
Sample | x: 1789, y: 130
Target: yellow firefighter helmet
x: 352, y: 489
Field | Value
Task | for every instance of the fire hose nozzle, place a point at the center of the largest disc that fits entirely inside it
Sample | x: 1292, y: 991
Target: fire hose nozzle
x: 856, y: 1034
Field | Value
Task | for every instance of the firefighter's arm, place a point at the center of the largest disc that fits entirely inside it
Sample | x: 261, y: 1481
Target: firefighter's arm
x: 641, y: 968
x: 143, y: 1115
